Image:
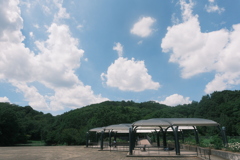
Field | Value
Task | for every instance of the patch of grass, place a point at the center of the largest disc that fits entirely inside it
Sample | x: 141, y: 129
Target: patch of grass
x: 32, y: 143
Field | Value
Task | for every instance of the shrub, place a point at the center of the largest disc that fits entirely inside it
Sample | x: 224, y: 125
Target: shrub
x: 235, y: 147
x: 217, y: 142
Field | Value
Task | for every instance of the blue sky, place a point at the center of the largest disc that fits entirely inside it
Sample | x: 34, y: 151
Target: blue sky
x: 60, y: 55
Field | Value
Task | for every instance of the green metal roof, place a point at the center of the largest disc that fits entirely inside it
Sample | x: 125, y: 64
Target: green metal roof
x: 98, y: 129
x: 165, y: 122
x: 155, y: 124
x: 118, y: 127
x: 152, y: 123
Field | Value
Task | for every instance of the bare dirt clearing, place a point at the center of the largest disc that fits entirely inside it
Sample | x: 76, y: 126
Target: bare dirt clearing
x: 70, y: 153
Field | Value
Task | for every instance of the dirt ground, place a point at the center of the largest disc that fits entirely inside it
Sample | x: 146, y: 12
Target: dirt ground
x: 70, y: 153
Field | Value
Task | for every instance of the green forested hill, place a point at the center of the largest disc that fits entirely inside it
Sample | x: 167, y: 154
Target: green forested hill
x: 222, y: 107
x: 17, y: 124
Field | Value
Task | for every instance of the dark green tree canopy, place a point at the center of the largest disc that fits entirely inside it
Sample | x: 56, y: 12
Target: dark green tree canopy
x: 18, y: 124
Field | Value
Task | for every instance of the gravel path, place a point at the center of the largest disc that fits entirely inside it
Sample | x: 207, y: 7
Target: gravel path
x: 71, y: 153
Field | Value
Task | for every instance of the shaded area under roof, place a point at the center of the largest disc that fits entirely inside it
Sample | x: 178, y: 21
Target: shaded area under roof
x: 159, y: 125
x: 120, y: 128
x: 153, y: 124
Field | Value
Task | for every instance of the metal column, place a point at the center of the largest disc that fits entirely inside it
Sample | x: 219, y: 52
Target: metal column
x: 102, y: 134
x: 164, y: 139
x: 196, y: 135
x: 87, y: 138
x: 130, y: 141
x: 158, y: 141
x: 224, y: 137
x: 110, y: 138
x: 177, y: 146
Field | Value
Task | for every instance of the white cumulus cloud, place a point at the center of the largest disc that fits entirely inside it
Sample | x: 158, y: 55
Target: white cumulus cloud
x: 4, y: 99
x: 175, y: 100
x: 31, y: 34
x: 62, y: 13
x: 129, y: 75
x: 73, y: 97
x: 143, y: 27
x: 119, y: 48
x: 32, y: 95
x: 54, y: 66
x: 213, y: 7
x: 197, y: 52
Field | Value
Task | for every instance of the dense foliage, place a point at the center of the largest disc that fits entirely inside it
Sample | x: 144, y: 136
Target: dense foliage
x: 19, y: 124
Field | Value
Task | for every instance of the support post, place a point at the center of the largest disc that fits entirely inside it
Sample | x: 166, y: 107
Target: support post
x: 177, y: 146
x: 224, y: 136
x: 87, y: 138
x: 164, y: 139
x: 196, y: 135
x: 115, y: 136
x: 130, y: 141
x: 158, y: 141
x: 97, y: 137
x: 102, y: 134
x: 110, y: 134
x: 133, y: 139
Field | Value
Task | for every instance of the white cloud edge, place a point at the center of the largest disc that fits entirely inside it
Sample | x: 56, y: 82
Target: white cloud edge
x: 202, y: 48
x: 175, y: 99
x: 4, y: 99
x: 23, y: 85
x: 129, y: 75
x: 119, y: 48
x: 213, y: 7
x: 143, y: 28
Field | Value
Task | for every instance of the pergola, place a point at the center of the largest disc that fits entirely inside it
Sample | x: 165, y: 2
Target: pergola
x: 175, y: 124
x: 116, y: 128
x: 159, y: 125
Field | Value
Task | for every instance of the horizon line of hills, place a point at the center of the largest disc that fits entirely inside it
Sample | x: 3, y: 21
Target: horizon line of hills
x: 20, y: 124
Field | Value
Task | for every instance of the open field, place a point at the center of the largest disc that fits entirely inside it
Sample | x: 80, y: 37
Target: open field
x: 71, y: 153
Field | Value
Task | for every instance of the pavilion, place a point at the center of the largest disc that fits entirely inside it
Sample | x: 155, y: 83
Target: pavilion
x: 159, y: 125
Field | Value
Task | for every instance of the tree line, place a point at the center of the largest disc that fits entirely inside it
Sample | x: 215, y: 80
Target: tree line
x: 20, y: 124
